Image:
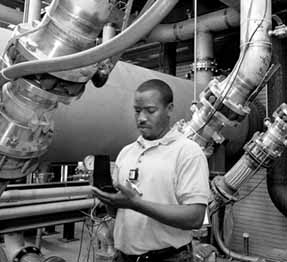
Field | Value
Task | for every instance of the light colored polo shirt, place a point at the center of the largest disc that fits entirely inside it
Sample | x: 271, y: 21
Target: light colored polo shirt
x: 171, y: 170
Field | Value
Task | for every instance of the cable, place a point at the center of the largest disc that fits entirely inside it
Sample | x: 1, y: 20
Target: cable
x: 241, y: 58
x: 195, y: 54
x: 81, y: 242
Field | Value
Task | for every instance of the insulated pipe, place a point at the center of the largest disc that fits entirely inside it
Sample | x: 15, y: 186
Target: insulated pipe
x: 205, y: 57
x: 34, y: 12
x: 31, y: 194
x: 128, y: 37
x: 227, y: 251
x: 43, y: 209
x: 255, y: 53
x: 214, y: 22
x: 10, y: 15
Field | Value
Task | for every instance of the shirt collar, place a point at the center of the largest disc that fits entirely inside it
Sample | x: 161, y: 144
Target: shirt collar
x: 168, y: 138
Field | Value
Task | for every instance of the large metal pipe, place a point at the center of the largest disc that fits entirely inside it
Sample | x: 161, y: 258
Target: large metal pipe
x: 255, y: 54
x: 43, y: 209
x: 213, y: 22
x: 33, y: 194
x: 205, y: 58
x: 225, y: 103
x: 93, y: 55
x: 34, y: 12
x: 10, y: 16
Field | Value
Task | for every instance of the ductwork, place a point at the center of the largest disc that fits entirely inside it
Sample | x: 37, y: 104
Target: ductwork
x: 224, y: 103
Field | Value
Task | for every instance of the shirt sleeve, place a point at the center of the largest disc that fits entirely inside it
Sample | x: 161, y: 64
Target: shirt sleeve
x: 192, y: 183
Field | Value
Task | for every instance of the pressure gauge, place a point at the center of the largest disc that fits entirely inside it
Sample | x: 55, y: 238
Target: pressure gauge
x: 89, y: 162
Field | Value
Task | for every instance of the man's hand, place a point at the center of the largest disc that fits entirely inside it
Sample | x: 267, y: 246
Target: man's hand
x: 126, y: 197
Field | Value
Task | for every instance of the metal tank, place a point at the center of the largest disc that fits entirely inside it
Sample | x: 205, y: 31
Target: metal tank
x: 102, y: 120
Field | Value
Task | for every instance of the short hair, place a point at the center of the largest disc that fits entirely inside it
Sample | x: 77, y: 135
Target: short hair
x: 162, y: 87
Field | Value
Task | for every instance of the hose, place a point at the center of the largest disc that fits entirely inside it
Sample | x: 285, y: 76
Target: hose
x: 226, y: 250
x: 128, y: 37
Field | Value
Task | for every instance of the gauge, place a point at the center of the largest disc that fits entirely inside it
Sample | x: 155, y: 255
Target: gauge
x: 89, y: 162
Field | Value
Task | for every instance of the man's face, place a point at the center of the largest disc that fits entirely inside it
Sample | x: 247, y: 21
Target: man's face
x: 152, y: 116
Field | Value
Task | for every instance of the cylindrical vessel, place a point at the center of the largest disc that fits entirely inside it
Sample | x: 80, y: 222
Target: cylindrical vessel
x: 102, y: 121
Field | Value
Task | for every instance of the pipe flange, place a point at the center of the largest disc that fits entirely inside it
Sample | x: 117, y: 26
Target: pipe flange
x: 54, y: 259
x: 26, y: 250
x: 258, y: 152
x: 220, y: 196
x: 205, y: 65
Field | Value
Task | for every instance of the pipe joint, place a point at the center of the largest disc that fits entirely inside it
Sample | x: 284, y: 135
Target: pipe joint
x: 28, y: 252
x: 222, y: 194
x: 205, y: 65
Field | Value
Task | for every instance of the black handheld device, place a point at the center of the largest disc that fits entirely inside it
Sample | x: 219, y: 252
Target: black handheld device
x: 102, y: 175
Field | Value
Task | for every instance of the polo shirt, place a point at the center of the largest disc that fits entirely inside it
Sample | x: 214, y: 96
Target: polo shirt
x: 171, y: 170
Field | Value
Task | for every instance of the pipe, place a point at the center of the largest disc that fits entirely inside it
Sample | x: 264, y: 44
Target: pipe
x: 31, y: 194
x: 255, y: 53
x: 10, y: 15
x: 43, y: 209
x: 225, y: 103
x: 205, y: 58
x: 227, y: 251
x: 3, y: 185
x: 14, y: 242
x: 215, y: 21
x: 88, y: 57
x: 34, y: 12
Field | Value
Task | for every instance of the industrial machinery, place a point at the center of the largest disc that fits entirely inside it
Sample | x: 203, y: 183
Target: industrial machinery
x: 49, y: 61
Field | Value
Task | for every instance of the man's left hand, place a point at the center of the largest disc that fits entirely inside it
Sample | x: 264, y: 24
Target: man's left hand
x: 126, y: 197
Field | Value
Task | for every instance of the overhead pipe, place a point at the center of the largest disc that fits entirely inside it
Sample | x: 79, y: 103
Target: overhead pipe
x: 10, y: 15
x: 205, y: 65
x: 128, y: 37
x: 216, y: 21
x: 34, y: 10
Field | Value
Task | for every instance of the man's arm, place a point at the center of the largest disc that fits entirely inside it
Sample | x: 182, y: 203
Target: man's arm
x: 180, y: 216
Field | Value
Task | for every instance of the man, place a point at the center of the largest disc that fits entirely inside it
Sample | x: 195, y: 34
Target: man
x: 162, y: 182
